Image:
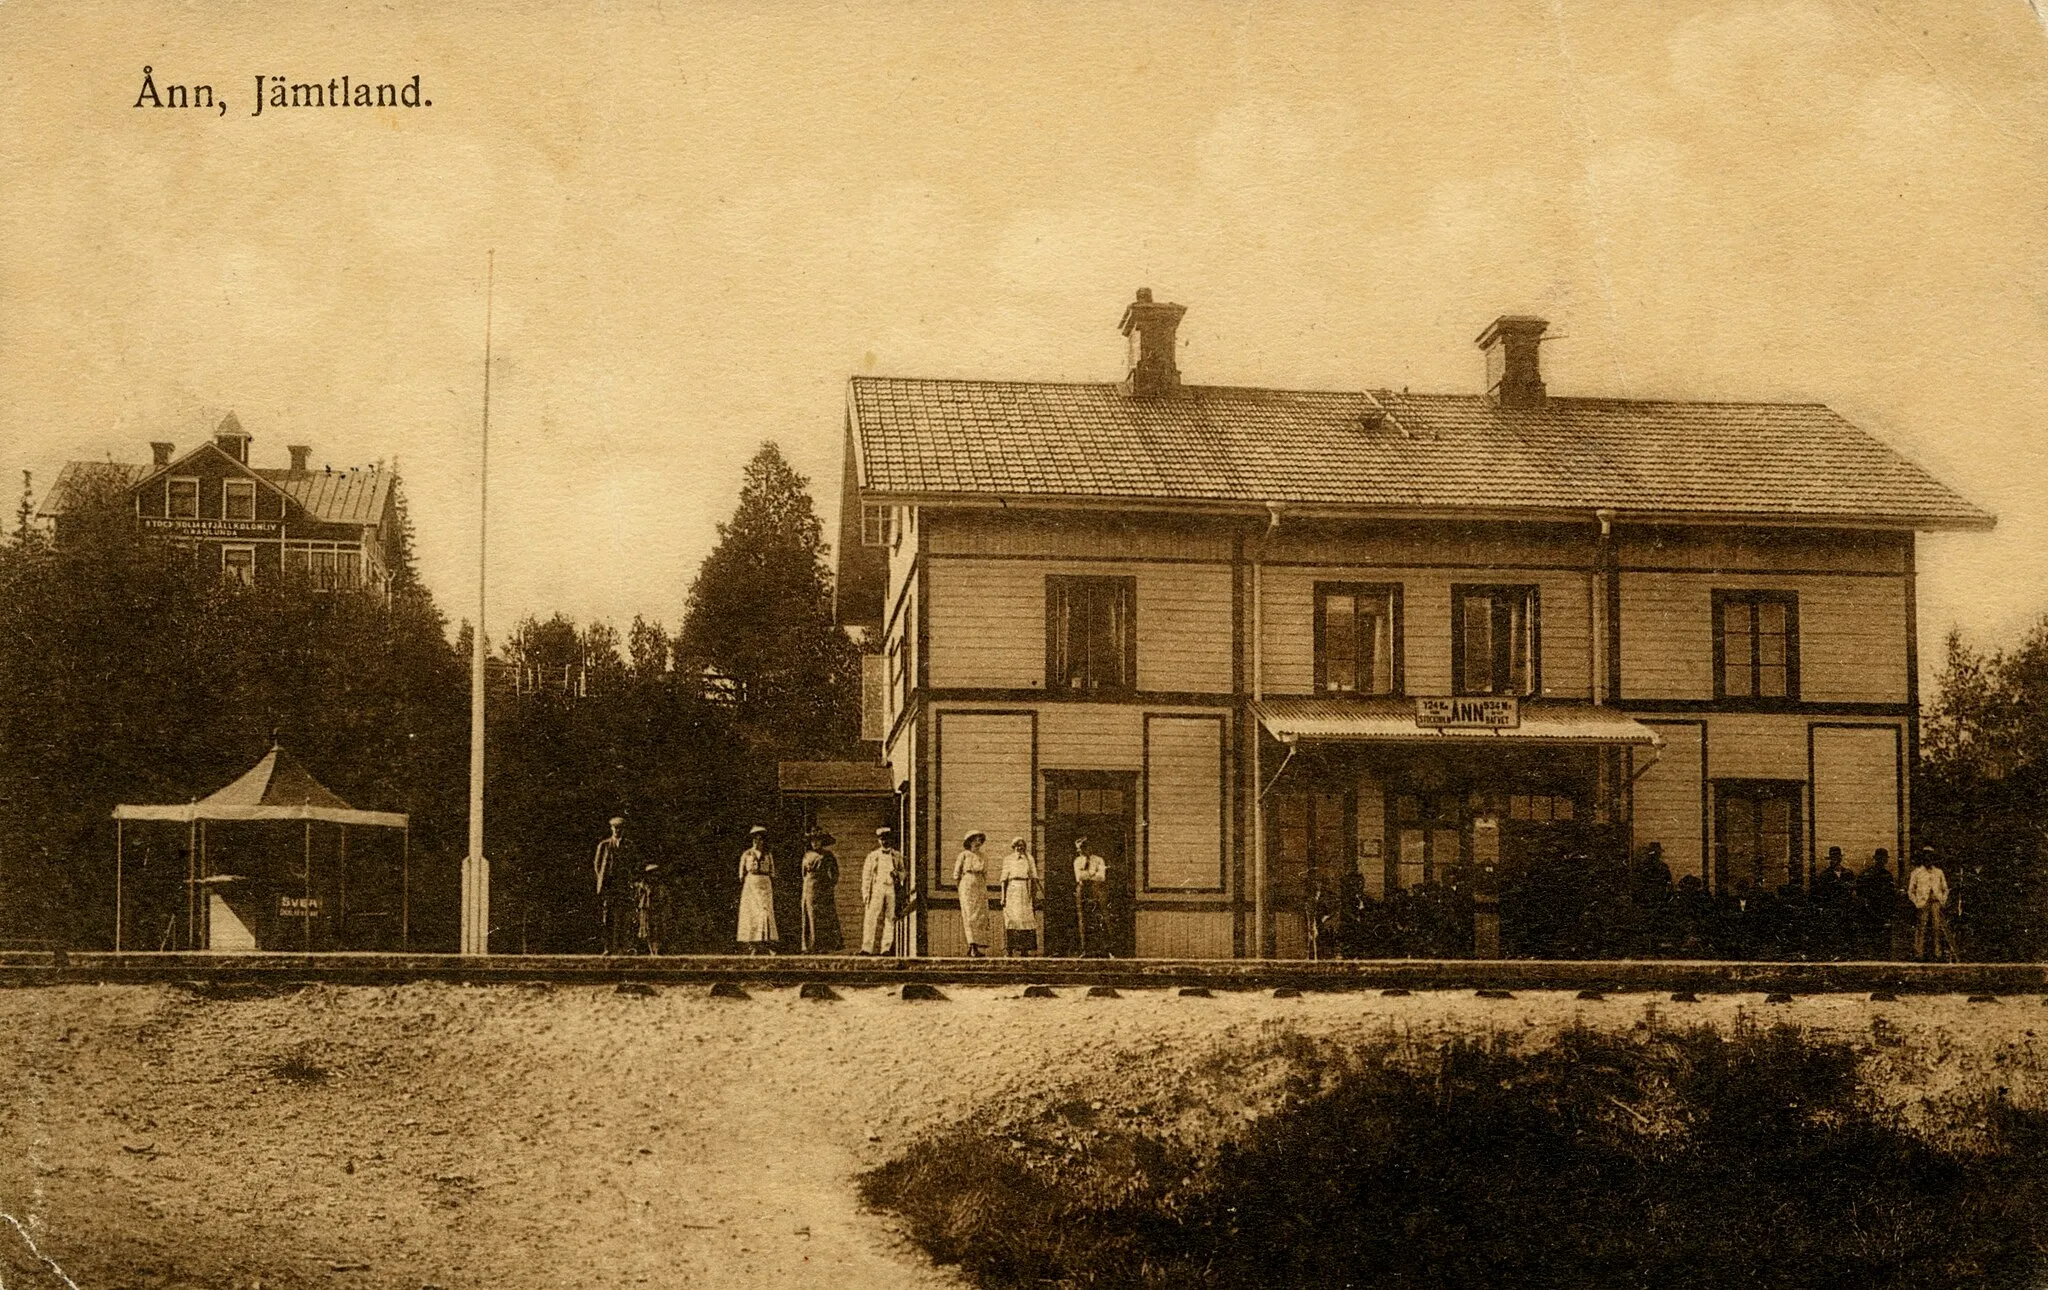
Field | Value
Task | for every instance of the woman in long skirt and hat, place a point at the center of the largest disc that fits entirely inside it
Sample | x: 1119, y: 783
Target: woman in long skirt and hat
x: 1020, y: 899
x: 757, y: 895
x: 970, y: 879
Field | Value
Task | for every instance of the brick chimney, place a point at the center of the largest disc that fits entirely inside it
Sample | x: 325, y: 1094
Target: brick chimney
x: 161, y: 453
x: 231, y: 439
x: 299, y: 452
x: 1151, y: 329
x: 1513, y: 377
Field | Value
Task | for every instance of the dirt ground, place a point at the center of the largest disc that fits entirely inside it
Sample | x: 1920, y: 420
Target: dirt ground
x: 522, y: 1136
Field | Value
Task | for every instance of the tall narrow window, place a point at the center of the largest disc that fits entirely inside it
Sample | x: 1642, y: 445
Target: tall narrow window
x: 874, y: 525
x: 238, y: 499
x: 1356, y: 639
x: 1091, y: 640
x: 184, y: 499
x: 1495, y: 639
x: 1756, y: 645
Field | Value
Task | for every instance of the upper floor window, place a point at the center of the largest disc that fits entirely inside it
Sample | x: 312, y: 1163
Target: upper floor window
x: 1495, y: 640
x: 1091, y: 637
x: 184, y: 499
x: 1356, y: 636
x: 1756, y: 645
x: 238, y: 499
x: 874, y: 525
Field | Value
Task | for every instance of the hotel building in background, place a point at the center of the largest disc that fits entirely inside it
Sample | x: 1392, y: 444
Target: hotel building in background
x: 255, y: 525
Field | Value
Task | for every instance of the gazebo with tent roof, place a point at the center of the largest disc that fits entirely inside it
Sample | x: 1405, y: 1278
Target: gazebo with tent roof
x: 277, y: 789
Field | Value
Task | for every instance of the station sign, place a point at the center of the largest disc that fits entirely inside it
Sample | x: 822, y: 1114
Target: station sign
x: 298, y: 906
x: 186, y: 528
x: 1442, y: 712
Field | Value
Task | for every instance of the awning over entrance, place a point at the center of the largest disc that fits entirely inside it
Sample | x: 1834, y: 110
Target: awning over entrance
x: 1406, y: 721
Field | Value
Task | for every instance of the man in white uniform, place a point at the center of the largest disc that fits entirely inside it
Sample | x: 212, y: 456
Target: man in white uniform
x: 1927, y: 889
x: 880, y: 875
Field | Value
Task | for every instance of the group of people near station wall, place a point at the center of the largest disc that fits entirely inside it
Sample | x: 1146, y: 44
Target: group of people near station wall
x: 1575, y: 907
x: 628, y: 894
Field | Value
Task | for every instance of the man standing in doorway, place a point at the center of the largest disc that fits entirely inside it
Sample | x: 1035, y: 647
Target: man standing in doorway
x: 613, y: 870
x: 1927, y: 891
x: 1091, y: 892
x: 880, y: 876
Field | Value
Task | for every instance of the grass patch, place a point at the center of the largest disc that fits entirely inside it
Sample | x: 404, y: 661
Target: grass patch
x: 1673, y: 1158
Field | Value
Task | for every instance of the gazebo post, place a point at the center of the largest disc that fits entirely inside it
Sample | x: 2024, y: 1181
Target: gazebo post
x: 202, y: 874
x: 191, y: 875
x: 306, y: 913
x: 341, y: 903
x: 405, y: 888
x: 117, y: 885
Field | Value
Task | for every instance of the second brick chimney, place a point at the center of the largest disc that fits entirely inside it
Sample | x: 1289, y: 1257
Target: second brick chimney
x: 161, y: 452
x: 1151, y: 328
x: 299, y: 452
x: 1514, y: 378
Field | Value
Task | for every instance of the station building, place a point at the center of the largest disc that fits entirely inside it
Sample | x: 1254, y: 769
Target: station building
x: 1259, y: 643
x: 255, y: 525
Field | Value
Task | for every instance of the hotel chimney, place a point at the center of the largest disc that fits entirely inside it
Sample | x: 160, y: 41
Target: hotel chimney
x: 299, y: 452
x: 162, y: 453
x: 1513, y: 377
x: 231, y: 439
x: 1151, y: 329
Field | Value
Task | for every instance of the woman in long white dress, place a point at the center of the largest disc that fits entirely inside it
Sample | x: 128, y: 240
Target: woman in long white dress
x: 757, y: 895
x: 970, y: 880
x: 1020, y: 899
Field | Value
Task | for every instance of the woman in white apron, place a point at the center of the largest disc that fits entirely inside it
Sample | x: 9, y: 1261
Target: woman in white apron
x: 970, y: 880
x: 1020, y: 899
x: 757, y: 895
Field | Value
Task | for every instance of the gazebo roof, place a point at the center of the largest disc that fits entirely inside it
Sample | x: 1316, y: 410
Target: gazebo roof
x: 275, y: 788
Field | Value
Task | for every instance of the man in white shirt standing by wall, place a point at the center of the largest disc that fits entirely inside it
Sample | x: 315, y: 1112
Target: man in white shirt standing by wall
x: 1927, y: 889
x: 881, y: 874
x: 1091, y: 896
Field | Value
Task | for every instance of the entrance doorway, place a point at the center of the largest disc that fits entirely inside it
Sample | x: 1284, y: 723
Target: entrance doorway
x: 1100, y: 806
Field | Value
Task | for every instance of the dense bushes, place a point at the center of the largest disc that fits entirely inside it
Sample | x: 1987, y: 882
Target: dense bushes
x: 1674, y: 1159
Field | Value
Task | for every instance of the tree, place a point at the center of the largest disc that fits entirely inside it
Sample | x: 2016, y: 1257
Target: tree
x: 405, y: 573
x: 187, y: 693
x: 760, y: 612
x: 26, y: 535
x: 1980, y: 792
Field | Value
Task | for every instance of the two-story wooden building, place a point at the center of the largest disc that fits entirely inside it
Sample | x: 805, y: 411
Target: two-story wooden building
x: 1254, y: 643
x: 330, y: 528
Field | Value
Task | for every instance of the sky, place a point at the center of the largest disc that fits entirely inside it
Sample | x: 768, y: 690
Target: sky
x: 705, y: 217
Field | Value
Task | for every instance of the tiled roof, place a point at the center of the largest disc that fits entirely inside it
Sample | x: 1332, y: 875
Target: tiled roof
x: 329, y: 496
x: 1382, y: 450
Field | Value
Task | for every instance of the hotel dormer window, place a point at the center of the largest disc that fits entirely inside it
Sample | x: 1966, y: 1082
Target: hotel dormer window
x: 1495, y: 640
x: 1356, y: 639
x: 184, y: 499
x: 238, y: 499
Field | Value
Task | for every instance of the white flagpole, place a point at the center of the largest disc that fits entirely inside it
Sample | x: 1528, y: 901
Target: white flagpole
x: 476, y: 870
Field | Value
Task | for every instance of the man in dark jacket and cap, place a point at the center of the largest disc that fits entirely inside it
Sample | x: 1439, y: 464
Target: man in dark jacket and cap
x: 616, y: 874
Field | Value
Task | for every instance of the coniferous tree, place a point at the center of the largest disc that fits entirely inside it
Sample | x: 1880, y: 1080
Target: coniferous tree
x: 760, y: 613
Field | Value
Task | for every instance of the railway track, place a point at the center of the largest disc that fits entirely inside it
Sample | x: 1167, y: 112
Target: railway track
x: 35, y: 968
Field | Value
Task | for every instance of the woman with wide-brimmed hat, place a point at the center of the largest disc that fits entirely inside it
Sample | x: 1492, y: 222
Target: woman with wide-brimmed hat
x: 970, y: 879
x: 757, y: 894
x: 821, y: 896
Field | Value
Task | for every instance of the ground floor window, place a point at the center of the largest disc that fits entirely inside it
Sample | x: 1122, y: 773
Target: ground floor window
x: 238, y: 565
x: 327, y: 566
